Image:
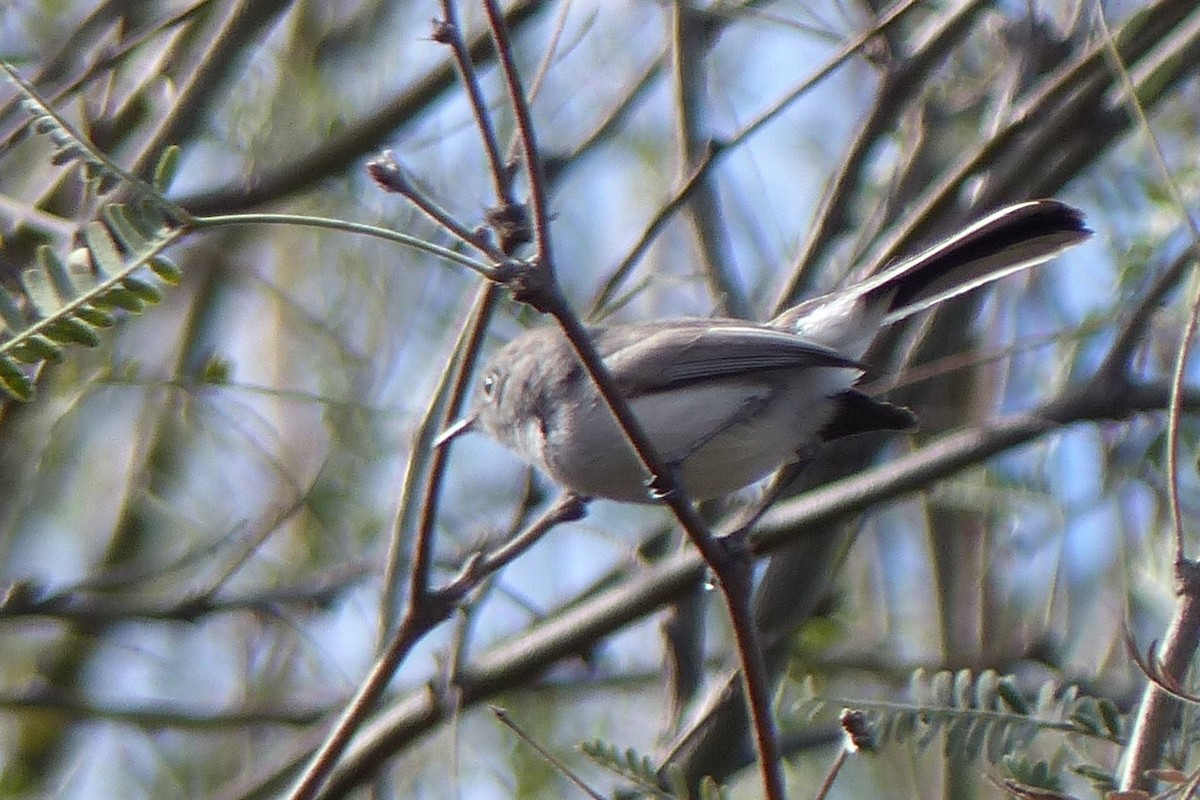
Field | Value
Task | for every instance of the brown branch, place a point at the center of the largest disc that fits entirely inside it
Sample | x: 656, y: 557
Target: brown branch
x: 425, y: 611
x: 345, y: 149
x: 390, y: 175
x: 1157, y: 709
x: 550, y: 758
x: 901, y: 83
x: 449, y: 32
x: 728, y: 559
x: 692, y: 39
x: 97, y: 610
x: 580, y: 624
x: 156, y: 716
x: 717, y: 150
x: 421, y: 487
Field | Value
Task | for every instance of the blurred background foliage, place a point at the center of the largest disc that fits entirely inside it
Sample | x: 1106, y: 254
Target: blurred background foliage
x: 194, y: 516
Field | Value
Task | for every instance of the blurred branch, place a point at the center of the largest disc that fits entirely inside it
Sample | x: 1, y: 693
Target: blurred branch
x: 617, y: 275
x: 63, y: 662
x: 586, y: 622
x: 421, y: 488
x: 157, y: 716
x: 692, y: 39
x: 718, y: 149
x: 344, y: 149
x: 426, y: 609
x: 93, y: 610
x: 903, y: 79
x: 1155, y: 719
x: 58, y: 77
x: 208, y: 60
x: 1062, y: 122
x: 556, y: 164
x: 726, y: 557
x: 1158, y: 709
x: 541, y: 750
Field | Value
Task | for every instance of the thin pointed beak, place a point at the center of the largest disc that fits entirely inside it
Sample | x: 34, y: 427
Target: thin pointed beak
x: 455, y: 430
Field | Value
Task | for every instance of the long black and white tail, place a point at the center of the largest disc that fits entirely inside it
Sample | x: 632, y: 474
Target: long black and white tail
x: 1006, y: 241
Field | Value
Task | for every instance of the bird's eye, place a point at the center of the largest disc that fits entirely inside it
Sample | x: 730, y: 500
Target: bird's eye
x: 489, y: 385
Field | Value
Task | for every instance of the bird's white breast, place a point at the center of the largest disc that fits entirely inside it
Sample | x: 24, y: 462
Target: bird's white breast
x: 724, y: 434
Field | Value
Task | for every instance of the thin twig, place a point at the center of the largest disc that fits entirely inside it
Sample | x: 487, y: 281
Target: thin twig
x: 551, y: 759
x: 1119, y: 358
x: 577, y: 627
x: 23, y: 599
x: 387, y: 171
x: 887, y: 18
x: 422, y: 476
x: 508, y: 218
x: 566, y: 507
x: 340, y: 151
x: 1185, y: 348
x: 153, y: 716
x: 1153, y: 722
x: 425, y: 611
x: 607, y: 127
x: 719, y: 149
x: 543, y: 69
x: 664, y: 214
x: 449, y: 32
x: 691, y: 42
x: 736, y: 582
x: 527, y: 135
x: 898, y: 86
x: 728, y: 560
x: 415, y: 624
x: 423, y: 551
x: 827, y: 784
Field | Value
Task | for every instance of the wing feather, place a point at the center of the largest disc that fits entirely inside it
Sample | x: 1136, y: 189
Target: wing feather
x: 648, y: 358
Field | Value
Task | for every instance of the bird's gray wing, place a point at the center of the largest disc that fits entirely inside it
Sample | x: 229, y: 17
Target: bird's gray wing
x: 647, y: 358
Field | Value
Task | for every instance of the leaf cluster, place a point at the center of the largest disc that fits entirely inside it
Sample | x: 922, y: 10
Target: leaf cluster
x: 639, y: 770
x: 119, y: 267
x: 983, y: 715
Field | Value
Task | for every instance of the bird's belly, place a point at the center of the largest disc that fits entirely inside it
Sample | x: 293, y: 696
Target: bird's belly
x: 720, y: 437
x: 734, y: 460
